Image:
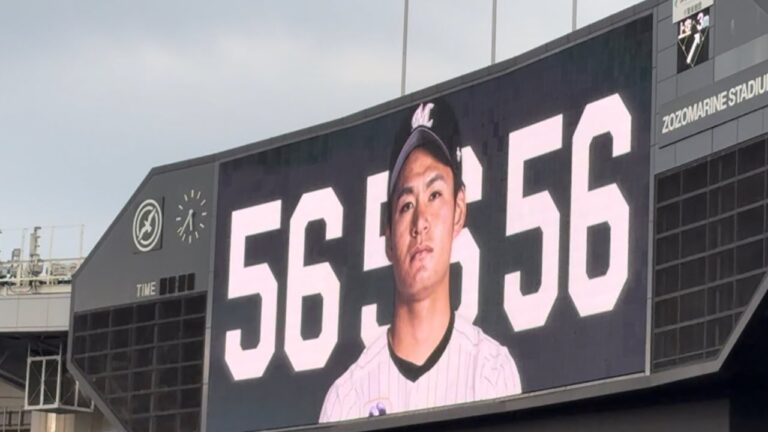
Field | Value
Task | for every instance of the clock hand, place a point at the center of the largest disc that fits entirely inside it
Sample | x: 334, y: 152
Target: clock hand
x: 187, y: 221
x: 190, y: 215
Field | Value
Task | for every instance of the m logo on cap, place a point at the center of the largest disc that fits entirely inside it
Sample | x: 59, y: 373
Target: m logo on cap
x: 422, y: 116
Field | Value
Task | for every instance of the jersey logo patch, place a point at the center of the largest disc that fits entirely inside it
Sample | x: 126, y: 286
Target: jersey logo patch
x: 378, y: 408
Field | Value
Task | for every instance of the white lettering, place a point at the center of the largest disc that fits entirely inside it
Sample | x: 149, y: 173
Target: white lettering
x: 465, y: 250
x: 374, y: 255
x: 252, y: 280
x: 598, y: 294
x: 538, y: 211
x: 318, y: 279
x: 715, y: 104
x: 146, y: 289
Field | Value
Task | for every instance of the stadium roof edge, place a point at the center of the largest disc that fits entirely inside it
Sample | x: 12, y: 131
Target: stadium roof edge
x: 470, y: 78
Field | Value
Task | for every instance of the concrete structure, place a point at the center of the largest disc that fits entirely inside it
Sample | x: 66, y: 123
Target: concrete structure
x: 34, y: 320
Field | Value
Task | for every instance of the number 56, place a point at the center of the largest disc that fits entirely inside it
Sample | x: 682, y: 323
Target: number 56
x: 588, y: 208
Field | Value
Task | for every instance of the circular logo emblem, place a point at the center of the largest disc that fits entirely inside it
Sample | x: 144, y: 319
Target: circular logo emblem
x: 147, y: 225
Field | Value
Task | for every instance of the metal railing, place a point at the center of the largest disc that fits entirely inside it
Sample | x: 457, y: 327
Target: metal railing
x: 37, y: 276
x: 33, y: 274
x: 15, y: 420
x: 50, y: 387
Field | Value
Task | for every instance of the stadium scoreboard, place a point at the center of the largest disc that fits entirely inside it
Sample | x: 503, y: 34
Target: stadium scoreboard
x: 234, y: 290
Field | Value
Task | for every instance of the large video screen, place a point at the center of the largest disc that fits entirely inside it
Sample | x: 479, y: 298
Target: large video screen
x: 472, y: 246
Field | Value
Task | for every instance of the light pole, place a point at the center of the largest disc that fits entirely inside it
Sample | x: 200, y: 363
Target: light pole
x: 573, y: 16
x: 493, y: 33
x: 405, y: 45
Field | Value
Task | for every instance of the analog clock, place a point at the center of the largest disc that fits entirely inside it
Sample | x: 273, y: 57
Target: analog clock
x: 192, y: 216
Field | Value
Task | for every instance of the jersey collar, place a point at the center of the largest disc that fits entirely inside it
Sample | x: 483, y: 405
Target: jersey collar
x: 412, y: 371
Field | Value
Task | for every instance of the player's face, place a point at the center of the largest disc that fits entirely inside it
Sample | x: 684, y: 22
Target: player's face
x: 425, y: 219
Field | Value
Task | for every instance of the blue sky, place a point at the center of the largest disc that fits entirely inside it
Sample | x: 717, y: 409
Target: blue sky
x: 93, y: 94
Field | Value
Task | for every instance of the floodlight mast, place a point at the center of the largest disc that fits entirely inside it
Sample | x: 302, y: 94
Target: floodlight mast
x: 573, y: 15
x: 493, y: 33
x: 405, y: 45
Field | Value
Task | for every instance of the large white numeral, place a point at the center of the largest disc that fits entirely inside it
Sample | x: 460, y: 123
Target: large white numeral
x: 472, y: 174
x: 591, y: 296
x: 374, y: 255
x: 538, y: 211
x: 252, y: 280
x: 310, y: 280
x: 465, y: 250
x: 526, y: 213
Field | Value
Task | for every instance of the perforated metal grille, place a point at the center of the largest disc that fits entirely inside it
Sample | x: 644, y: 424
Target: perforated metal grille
x: 711, y: 251
x: 146, y: 361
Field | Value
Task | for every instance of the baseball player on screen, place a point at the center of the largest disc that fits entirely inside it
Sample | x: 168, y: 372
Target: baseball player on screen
x: 429, y: 356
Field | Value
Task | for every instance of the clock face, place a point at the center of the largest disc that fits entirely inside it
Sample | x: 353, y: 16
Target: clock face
x: 191, y: 216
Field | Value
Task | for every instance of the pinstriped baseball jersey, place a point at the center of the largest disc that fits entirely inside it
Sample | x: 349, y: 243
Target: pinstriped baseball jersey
x: 469, y: 366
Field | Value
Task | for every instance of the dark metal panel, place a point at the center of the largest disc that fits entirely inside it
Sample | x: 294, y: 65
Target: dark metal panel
x: 738, y: 23
x: 699, y: 77
x: 116, y: 266
x: 706, y: 416
x: 667, y: 62
x: 725, y: 135
x: 666, y: 33
x: 693, y: 147
x: 750, y: 126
